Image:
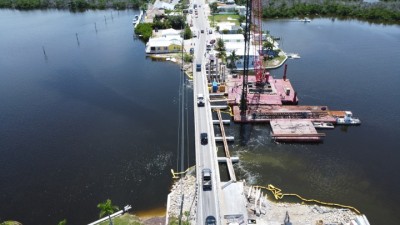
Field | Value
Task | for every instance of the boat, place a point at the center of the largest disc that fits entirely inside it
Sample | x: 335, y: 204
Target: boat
x: 293, y: 56
x: 135, y: 20
x: 348, y: 119
x: 323, y: 125
x: 305, y: 20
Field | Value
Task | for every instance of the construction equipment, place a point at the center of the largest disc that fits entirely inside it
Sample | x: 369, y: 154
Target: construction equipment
x: 252, y: 31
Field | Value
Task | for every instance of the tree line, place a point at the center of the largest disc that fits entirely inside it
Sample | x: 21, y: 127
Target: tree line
x: 381, y: 12
x: 145, y: 30
x: 73, y: 5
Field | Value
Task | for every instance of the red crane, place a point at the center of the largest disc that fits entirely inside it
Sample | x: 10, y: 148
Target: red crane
x: 252, y: 29
x: 257, y: 39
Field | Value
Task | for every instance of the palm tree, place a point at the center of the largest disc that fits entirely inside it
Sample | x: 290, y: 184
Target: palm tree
x: 106, y: 208
x: 220, y: 45
x: 222, y: 56
x: 233, y: 58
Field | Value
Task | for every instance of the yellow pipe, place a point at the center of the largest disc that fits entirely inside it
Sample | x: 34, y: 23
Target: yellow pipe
x: 279, y: 195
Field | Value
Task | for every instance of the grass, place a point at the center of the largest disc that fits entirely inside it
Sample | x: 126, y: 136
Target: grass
x: 274, y: 62
x: 224, y: 18
x: 125, y: 219
x: 10, y: 223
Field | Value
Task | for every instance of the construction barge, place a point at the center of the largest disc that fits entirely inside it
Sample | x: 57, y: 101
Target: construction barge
x: 275, y: 101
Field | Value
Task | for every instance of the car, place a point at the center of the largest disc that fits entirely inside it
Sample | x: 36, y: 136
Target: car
x: 210, y: 31
x: 212, y: 41
x: 204, y: 138
x: 207, y: 183
x: 210, y: 220
x: 198, y: 67
x: 202, y: 31
x: 200, y: 100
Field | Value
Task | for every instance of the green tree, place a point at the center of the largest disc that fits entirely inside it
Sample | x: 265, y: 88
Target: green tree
x: 187, y: 33
x: 27, y: 4
x: 145, y: 30
x: 63, y: 222
x: 177, y: 22
x: 187, y: 58
x: 232, y: 59
x: 106, y: 208
x: 5, y: 3
x: 242, y: 19
x: 222, y: 55
x: 80, y: 5
x: 220, y: 45
x: 268, y: 45
x: 214, y: 7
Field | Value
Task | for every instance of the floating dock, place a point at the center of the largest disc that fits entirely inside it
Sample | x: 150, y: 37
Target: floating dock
x: 294, y: 130
x: 266, y: 113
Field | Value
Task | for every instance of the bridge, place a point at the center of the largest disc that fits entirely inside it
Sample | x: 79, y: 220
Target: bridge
x: 225, y: 200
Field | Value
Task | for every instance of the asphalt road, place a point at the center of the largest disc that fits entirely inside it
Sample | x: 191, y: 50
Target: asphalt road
x: 208, y: 204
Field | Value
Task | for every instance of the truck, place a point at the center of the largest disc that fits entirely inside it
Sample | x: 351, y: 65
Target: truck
x: 207, y: 185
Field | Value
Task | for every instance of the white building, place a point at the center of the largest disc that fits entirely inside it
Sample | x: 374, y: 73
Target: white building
x: 241, y: 10
x: 162, y: 45
x: 238, y: 38
x: 231, y: 9
x: 228, y: 28
x: 163, y: 5
x: 170, y: 32
x: 226, y: 9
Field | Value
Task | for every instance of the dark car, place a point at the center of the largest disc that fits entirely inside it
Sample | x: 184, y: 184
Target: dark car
x: 210, y: 220
x: 204, y: 138
x: 202, y: 31
x: 198, y: 67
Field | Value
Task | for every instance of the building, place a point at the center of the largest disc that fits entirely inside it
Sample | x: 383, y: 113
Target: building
x: 237, y: 38
x: 162, y: 45
x: 241, y: 10
x: 170, y: 32
x: 232, y: 9
x: 253, y: 56
x: 229, y: 28
x: 226, y: 9
x: 164, y: 5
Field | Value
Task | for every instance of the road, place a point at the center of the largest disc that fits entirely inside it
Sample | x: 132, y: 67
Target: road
x: 206, y: 157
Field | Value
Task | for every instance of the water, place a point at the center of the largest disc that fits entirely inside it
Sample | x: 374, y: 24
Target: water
x: 89, y: 120
x: 346, y: 65
x: 95, y: 119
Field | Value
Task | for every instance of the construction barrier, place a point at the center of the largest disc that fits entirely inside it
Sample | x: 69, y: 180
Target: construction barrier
x: 279, y: 195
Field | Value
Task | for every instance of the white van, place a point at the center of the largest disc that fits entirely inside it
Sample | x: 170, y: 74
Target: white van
x: 200, y: 100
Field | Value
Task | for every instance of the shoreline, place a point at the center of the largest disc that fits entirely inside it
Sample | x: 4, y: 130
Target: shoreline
x: 261, y: 207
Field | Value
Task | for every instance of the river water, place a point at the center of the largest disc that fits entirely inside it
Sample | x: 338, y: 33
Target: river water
x: 89, y: 120
x: 345, y: 65
x: 85, y: 116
